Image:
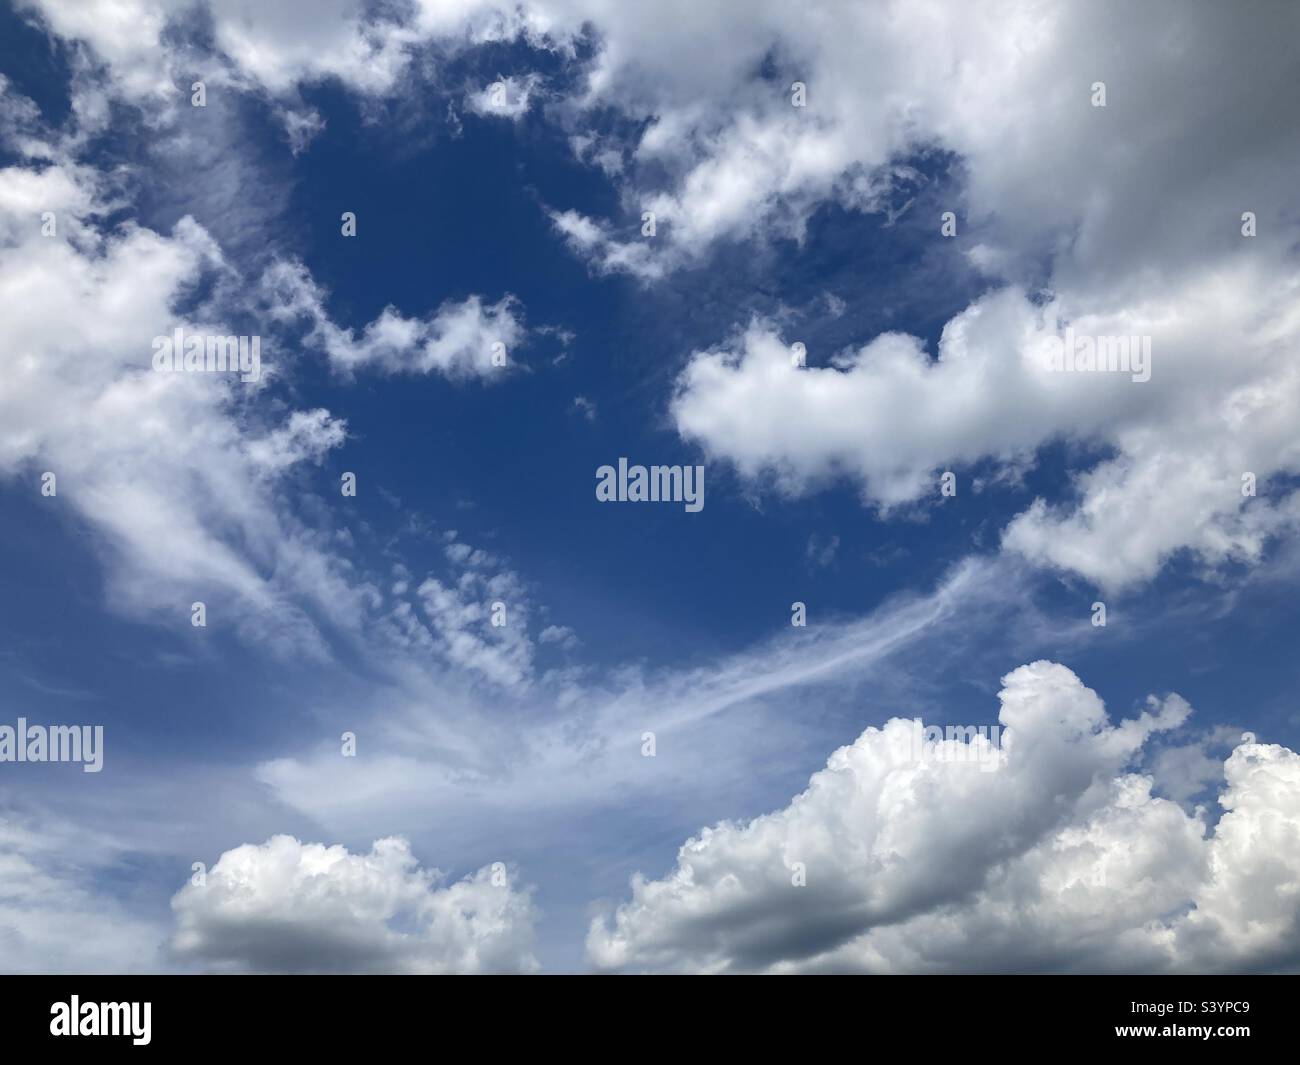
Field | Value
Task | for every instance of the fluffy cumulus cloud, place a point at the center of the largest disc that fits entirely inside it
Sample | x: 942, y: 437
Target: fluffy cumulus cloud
x: 505, y: 98
x: 1005, y: 85
x: 891, y: 418
x: 273, y: 47
x: 1047, y: 853
x: 463, y: 339
x: 286, y: 906
x: 150, y: 53
x: 720, y: 152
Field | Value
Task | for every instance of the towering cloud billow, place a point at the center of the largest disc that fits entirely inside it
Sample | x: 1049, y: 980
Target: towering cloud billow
x: 908, y: 856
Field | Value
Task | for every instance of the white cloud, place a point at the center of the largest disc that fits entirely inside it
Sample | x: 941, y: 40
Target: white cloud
x: 307, y: 437
x: 571, y: 743
x: 175, y: 471
x: 1183, y: 771
x: 460, y: 340
x: 52, y: 917
x: 1004, y: 85
x: 472, y: 620
x: 561, y: 635
x: 460, y: 617
x: 151, y: 55
x: 273, y: 46
x: 1134, y: 208
x: 276, y: 48
x: 507, y: 97
x: 1060, y: 859
x: 821, y: 552
x: 125, y: 34
x: 286, y: 906
x: 892, y: 419
x: 723, y: 156
x: 605, y: 252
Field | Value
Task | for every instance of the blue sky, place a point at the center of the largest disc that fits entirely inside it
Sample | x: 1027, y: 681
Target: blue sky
x: 522, y: 746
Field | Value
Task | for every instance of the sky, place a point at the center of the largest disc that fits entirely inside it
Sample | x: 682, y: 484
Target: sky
x: 967, y: 662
